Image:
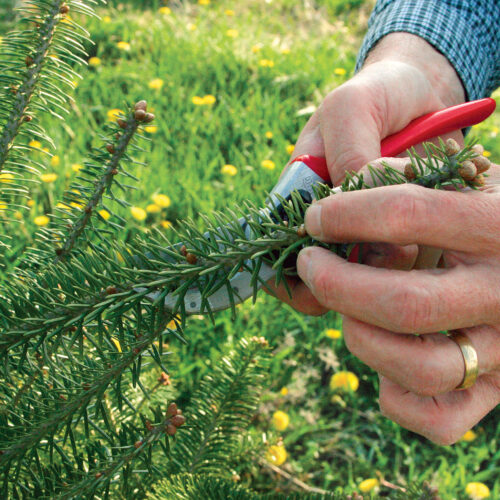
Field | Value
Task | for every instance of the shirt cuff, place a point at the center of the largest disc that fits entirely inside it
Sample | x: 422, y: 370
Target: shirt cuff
x: 464, y: 37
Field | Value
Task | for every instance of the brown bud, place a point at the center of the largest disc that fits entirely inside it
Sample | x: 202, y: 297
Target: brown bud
x: 110, y: 290
x: 117, y: 136
x: 451, y: 147
x: 409, y: 172
x: 141, y: 105
x: 149, y: 426
x: 467, y: 170
x: 301, y: 231
x: 59, y: 251
x: 478, y: 149
x: 149, y: 118
x: 482, y: 163
x: 183, y: 250
x: 88, y: 209
x: 64, y: 9
x: 98, y: 475
x: 137, y: 444
x: 178, y: 420
x: 114, y: 171
x: 73, y: 329
x: 27, y: 118
x: 171, y: 410
x: 110, y: 148
x: 191, y: 258
x: 63, y: 397
x: 121, y: 123
x: 164, y: 379
x: 170, y: 429
x: 136, y: 350
x: 479, y: 180
x: 86, y: 386
x: 140, y: 115
x: 29, y: 61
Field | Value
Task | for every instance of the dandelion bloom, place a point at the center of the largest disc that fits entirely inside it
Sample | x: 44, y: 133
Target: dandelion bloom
x: 55, y: 161
x: 268, y: 164
x: 114, y: 114
x: 123, y: 45
x: 339, y: 71
x: 346, y: 381
x: 276, y: 454
x: 204, y: 2
x: 192, y: 27
x: 162, y: 200
x: 333, y: 333
x: 104, y: 214
x: 285, y: 51
x: 290, y: 148
x: 368, y: 485
x: 153, y: 208
x: 229, y: 170
x: 138, y: 213
x: 166, y: 224
x: 62, y: 205
x: 280, y: 420
x: 6, y: 177
x: 35, y: 144
x: 269, y: 134
x: 469, y: 436
x: 172, y: 324
x: 229, y: 12
x: 165, y: 11
x: 266, y: 63
x: 256, y: 48
x: 30, y: 203
x: 209, y: 99
x: 106, y: 19
x: 94, y: 62
x: 486, y: 153
x: 156, y: 84
x: 477, y: 490
x: 3, y: 206
x: 41, y: 220
x: 197, y: 100
x: 232, y: 33
x: 151, y: 129
x: 48, y: 178
x: 76, y: 167
x: 18, y: 215
x: 283, y: 391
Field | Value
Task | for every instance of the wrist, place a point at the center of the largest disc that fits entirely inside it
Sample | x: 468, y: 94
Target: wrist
x: 415, y: 51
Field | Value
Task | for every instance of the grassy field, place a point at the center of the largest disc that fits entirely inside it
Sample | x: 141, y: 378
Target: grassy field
x: 233, y: 83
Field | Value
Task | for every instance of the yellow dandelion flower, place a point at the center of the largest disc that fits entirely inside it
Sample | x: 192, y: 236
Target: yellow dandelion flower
x: 153, y: 208
x: 469, y: 436
x: 35, y: 144
x: 172, y: 324
x: 209, y: 99
x: 290, y: 148
x: 48, y: 178
x: 45, y: 150
x: 268, y: 164
x: 106, y: 19
x: 162, y: 200
x: 55, y: 161
x: 75, y: 83
x: 477, y: 490
x: 257, y: 48
x: 197, y: 100
x: 285, y: 51
x: 486, y: 153
x: 117, y: 344
x: 333, y: 333
x: 269, y: 134
x: 18, y: 215
x: 232, y: 33
x: 76, y: 167
x: 368, y: 485
x: 166, y: 224
x: 229, y: 12
x: 192, y: 27
x: 151, y: 129
x: 62, y: 205
x: 204, y: 2
x: 345, y: 381
x: 280, y: 420
x: 123, y: 46
x: 114, y: 114
x: 74, y: 204
x: 229, y: 170
x: 41, y: 220
x: 276, y: 454
x: 266, y: 63
x: 155, y: 84
x: 104, y: 214
x: 339, y: 71
x: 284, y: 391
x: 166, y: 11
x: 6, y: 177
x: 138, y: 213
x: 3, y: 207
x: 94, y: 62
x: 30, y: 203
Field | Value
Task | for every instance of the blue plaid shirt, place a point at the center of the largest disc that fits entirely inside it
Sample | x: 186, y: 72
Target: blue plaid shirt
x: 467, y: 32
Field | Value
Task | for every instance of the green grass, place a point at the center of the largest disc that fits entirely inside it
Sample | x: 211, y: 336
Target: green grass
x: 330, y: 444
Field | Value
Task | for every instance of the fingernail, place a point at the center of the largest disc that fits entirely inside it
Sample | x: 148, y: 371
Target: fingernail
x: 304, y: 264
x: 312, y: 221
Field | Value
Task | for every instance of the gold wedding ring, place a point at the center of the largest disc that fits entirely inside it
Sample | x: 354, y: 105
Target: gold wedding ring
x: 470, y: 360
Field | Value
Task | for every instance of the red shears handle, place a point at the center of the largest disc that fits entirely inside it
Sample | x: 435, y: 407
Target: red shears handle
x: 421, y: 129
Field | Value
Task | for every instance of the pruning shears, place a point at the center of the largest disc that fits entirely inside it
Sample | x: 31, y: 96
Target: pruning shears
x: 304, y: 172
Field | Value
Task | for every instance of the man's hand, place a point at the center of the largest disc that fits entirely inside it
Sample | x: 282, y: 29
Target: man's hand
x: 384, y: 308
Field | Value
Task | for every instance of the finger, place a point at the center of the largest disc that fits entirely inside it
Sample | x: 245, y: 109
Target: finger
x: 422, y: 301
x: 302, y: 299
x: 426, y: 365
x: 407, y: 214
x: 443, y: 419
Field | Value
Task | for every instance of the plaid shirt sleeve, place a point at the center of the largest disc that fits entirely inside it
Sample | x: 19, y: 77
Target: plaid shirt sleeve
x: 467, y: 32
